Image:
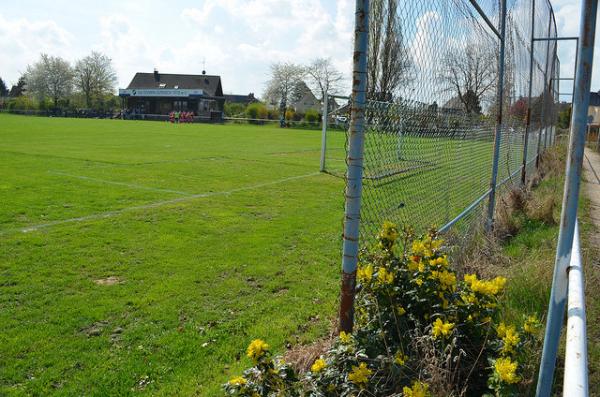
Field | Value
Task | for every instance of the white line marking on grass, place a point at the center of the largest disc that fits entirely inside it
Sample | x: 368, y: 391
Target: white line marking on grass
x: 130, y: 185
x: 110, y: 214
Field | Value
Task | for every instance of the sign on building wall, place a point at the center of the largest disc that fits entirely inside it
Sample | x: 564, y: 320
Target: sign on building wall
x: 177, y: 93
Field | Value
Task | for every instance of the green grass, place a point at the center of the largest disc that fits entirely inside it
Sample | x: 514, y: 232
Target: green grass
x: 212, y: 241
x: 217, y: 234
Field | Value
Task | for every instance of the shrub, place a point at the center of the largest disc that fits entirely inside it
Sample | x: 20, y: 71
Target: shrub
x: 289, y: 114
x: 312, y: 116
x: 419, y: 331
x: 231, y: 109
x: 256, y: 110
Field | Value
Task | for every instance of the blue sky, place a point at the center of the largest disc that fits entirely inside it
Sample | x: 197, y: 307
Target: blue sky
x: 237, y: 39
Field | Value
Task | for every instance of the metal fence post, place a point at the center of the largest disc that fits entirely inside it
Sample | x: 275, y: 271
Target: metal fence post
x: 544, y: 102
x: 556, y: 308
x: 355, y: 166
x: 499, y: 120
x: 528, y: 121
x: 324, y: 132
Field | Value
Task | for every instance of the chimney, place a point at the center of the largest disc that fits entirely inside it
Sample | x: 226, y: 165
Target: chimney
x: 156, y: 75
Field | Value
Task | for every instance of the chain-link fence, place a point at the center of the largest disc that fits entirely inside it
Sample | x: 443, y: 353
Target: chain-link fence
x: 429, y: 142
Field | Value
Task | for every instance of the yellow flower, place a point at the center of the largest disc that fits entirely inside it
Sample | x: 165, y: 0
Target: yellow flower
x: 510, y: 339
x: 400, y: 358
x: 389, y: 232
x: 470, y: 278
x: 531, y: 325
x: 360, y: 375
x: 441, y: 328
x: 418, y: 281
x: 345, y: 337
x: 447, y: 279
x: 238, y: 381
x: 469, y: 299
x: 491, y: 287
x: 501, y: 330
x: 257, y: 349
x: 400, y: 310
x: 413, y: 264
x: 384, y: 276
x: 506, y: 370
x: 418, y: 389
x: 365, y: 273
x: 318, y: 365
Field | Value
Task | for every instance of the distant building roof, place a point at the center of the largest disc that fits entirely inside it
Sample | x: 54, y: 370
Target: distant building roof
x: 211, y: 85
x: 595, y: 98
x: 245, y: 99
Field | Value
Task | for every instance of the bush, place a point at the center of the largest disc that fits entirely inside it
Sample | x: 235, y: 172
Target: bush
x: 419, y: 331
x: 256, y: 110
x: 289, y: 114
x: 233, y: 109
x: 312, y: 116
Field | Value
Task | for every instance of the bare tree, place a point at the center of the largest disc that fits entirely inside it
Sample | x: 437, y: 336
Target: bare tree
x: 284, y: 78
x: 324, y: 77
x: 469, y: 74
x: 388, y: 58
x: 94, y: 76
x: 50, y: 76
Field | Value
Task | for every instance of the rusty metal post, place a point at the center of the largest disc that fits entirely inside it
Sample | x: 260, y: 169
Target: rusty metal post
x: 568, y: 218
x: 528, y: 121
x: 499, y: 127
x: 355, y: 165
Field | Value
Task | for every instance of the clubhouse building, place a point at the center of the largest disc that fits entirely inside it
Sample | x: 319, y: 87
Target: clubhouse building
x: 158, y: 94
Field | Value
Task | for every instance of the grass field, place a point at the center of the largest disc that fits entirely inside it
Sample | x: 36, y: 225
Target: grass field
x: 142, y: 257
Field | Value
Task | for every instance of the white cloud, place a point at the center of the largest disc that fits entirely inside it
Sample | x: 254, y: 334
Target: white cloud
x: 22, y: 41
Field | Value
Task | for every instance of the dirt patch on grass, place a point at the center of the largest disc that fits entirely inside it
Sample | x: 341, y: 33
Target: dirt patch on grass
x: 112, y: 280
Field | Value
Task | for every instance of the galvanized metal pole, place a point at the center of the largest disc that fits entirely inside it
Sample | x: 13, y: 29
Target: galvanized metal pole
x: 558, y: 294
x: 528, y: 121
x: 324, y: 132
x: 355, y: 165
x: 499, y: 127
x: 543, y: 112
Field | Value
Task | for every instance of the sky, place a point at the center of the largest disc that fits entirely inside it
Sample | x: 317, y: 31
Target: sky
x: 236, y: 39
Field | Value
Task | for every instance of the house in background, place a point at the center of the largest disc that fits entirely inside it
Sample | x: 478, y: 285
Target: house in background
x: 305, y: 99
x: 161, y: 93
x: 594, y: 109
x: 241, y: 99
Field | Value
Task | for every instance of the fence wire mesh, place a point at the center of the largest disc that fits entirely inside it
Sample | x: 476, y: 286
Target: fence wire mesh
x: 429, y: 139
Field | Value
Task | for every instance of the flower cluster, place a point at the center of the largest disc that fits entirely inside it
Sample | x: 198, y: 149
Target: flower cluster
x: 405, y: 302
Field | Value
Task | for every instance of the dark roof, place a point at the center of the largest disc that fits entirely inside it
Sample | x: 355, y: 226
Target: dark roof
x: 595, y: 98
x: 233, y: 98
x: 209, y: 84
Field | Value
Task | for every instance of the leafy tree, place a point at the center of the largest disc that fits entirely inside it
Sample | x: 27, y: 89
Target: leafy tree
x: 18, y: 89
x: 50, y: 76
x: 3, y: 88
x: 94, y: 77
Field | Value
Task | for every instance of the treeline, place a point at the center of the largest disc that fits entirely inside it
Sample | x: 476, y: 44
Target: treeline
x: 53, y: 85
x: 260, y: 111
